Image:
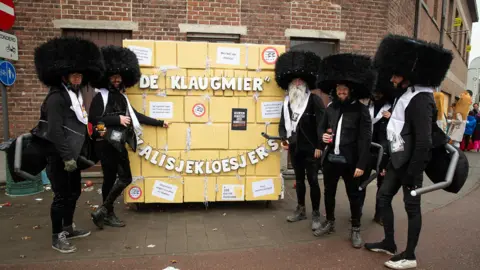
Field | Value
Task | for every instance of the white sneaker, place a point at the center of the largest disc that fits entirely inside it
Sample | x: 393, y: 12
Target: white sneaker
x: 401, y: 264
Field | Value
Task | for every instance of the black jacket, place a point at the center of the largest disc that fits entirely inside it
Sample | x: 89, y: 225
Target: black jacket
x: 417, y: 135
x: 117, y: 106
x: 308, y: 135
x: 356, y: 134
x: 379, y: 135
x: 59, y: 125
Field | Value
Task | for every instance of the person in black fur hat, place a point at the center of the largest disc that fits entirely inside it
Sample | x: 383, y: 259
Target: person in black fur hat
x: 416, y: 68
x: 65, y: 64
x: 302, y: 111
x: 111, y: 108
x: 347, y: 134
x: 380, y: 107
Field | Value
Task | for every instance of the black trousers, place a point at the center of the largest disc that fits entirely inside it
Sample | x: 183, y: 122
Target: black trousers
x: 366, y: 175
x: 391, y: 185
x: 66, y: 187
x: 304, y: 162
x: 331, y: 174
x: 114, y: 163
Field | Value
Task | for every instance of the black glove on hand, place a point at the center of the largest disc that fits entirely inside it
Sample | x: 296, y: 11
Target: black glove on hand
x: 70, y: 165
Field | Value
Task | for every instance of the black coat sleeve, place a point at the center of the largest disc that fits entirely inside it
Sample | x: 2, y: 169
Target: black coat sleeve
x: 56, y: 108
x: 319, y: 109
x: 145, y: 120
x: 421, y: 117
x: 322, y: 128
x: 364, y: 137
x: 96, y: 112
x: 282, y: 131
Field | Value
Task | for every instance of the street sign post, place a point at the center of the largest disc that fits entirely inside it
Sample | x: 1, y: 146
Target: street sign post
x: 7, y: 14
x: 8, y: 75
x: 8, y: 46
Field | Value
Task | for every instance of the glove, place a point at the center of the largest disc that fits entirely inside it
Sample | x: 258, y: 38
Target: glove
x: 70, y: 165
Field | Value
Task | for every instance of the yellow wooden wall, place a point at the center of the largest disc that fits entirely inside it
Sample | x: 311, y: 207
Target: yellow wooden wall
x: 211, y: 135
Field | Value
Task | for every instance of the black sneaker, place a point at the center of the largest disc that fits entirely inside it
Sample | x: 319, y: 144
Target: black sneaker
x: 327, y: 227
x: 113, y: 221
x: 384, y: 247
x: 316, y: 222
x: 401, y: 261
x: 61, y: 244
x: 73, y: 232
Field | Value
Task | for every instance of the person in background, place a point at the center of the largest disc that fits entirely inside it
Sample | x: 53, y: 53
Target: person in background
x: 347, y: 134
x: 475, y: 108
x: 63, y: 122
x: 112, y: 110
x: 302, y: 111
x: 459, y: 119
x: 469, y: 129
x: 476, y: 134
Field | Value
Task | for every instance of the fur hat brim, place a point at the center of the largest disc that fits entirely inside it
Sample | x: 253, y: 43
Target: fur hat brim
x: 420, y: 62
x: 385, y: 86
x: 61, y: 56
x: 121, y: 61
x: 352, y: 69
x: 297, y: 65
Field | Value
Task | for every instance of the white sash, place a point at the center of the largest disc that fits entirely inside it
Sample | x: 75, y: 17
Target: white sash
x: 77, y: 106
x: 291, y: 124
x: 397, y: 120
x: 136, y: 124
x: 379, y: 115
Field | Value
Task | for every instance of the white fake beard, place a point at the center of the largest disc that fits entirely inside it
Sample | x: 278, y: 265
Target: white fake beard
x: 297, y: 94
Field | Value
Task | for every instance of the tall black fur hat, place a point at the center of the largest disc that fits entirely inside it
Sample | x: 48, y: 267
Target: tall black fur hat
x: 121, y: 61
x: 65, y: 55
x: 297, y: 65
x: 420, y: 62
x: 352, y: 69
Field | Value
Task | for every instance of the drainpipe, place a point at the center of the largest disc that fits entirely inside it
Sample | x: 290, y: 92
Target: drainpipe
x: 417, y: 18
x: 442, y: 23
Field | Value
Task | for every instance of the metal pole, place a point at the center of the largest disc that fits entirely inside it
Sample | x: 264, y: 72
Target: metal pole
x: 417, y: 18
x: 5, y: 113
x: 442, y: 23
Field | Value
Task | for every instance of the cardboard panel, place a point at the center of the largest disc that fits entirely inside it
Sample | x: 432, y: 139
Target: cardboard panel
x: 228, y: 56
x: 165, y: 53
x: 269, y: 109
x: 183, y: 83
x: 163, y: 190
x: 196, y: 109
x: 251, y: 106
x: 165, y: 108
x: 144, y: 49
x: 192, y: 54
x: 199, y: 188
x: 177, y: 136
x: 247, y: 139
x: 214, y: 136
x: 221, y: 109
x: 230, y: 188
x: 269, y: 54
x: 202, y: 76
x: 263, y: 188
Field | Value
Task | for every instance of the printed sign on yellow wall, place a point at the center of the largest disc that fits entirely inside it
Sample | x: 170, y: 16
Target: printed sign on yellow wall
x: 219, y: 98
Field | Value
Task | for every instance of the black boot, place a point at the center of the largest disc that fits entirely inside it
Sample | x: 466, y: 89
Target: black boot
x: 112, y: 220
x: 101, y: 213
x: 298, y: 214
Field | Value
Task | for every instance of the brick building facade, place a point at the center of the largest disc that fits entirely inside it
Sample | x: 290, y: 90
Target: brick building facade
x: 322, y: 26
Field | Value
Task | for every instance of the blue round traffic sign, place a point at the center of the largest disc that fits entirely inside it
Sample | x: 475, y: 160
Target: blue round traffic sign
x: 8, y: 75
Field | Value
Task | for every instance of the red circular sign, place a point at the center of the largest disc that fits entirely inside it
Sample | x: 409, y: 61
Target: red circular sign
x: 199, y: 110
x: 135, y: 193
x: 270, y: 55
x: 7, y: 14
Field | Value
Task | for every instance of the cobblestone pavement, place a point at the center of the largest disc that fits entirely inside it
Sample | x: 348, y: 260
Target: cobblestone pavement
x: 244, y: 235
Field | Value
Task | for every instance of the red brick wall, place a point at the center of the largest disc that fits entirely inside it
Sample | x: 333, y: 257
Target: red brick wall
x: 364, y: 21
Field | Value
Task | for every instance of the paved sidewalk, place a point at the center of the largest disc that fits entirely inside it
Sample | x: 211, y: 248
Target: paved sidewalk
x: 227, y: 235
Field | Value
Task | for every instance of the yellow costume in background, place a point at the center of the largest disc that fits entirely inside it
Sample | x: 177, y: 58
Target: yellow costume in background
x: 459, y: 120
x: 441, y: 119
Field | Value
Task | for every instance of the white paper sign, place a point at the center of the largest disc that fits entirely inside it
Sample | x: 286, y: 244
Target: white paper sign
x: 231, y: 192
x: 228, y: 56
x: 164, y: 190
x: 144, y: 55
x: 263, y: 188
x: 161, y: 110
x: 272, y: 109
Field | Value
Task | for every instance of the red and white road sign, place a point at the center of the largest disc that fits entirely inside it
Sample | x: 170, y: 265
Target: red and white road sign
x: 7, y: 14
